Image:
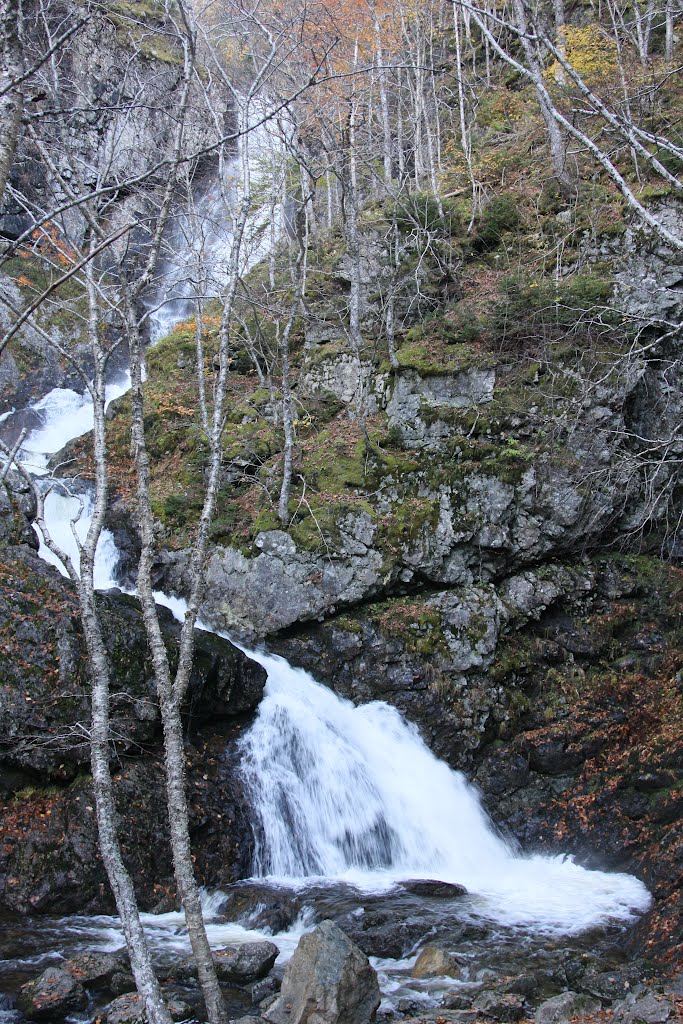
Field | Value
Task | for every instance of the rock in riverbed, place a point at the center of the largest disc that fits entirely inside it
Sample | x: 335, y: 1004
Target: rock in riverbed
x: 327, y: 981
x: 428, y: 887
x: 250, y: 961
x: 239, y: 964
x: 436, y: 962
x: 128, y: 1009
x: 94, y: 970
x: 52, y: 996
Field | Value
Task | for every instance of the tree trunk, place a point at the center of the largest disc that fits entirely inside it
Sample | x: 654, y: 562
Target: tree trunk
x: 558, y: 146
x: 100, y: 738
x: 11, y: 96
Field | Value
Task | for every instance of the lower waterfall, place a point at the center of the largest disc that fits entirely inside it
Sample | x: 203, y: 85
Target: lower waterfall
x: 354, y: 794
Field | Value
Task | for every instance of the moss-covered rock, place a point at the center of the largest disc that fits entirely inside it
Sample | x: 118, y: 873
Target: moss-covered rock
x: 49, y: 857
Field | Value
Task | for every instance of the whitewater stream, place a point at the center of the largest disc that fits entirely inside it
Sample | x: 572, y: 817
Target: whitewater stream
x: 348, y: 802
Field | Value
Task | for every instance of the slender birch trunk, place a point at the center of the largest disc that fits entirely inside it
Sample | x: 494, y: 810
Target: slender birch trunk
x: 558, y: 146
x: 11, y: 95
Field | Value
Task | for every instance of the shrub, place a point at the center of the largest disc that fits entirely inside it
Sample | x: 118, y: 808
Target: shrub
x: 501, y: 214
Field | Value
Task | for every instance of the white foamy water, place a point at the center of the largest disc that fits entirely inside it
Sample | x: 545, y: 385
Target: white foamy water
x: 68, y: 516
x: 353, y: 793
x: 65, y: 415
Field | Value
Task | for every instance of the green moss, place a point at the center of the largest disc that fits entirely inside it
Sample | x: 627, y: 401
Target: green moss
x: 348, y: 624
x: 412, y: 620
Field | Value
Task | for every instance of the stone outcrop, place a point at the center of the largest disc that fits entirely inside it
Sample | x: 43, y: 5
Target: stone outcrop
x: 49, y: 858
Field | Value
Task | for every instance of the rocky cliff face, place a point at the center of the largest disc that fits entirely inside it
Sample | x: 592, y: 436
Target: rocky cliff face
x: 49, y: 857
x: 100, y: 118
x: 461, y: 561
x: 479, y: 464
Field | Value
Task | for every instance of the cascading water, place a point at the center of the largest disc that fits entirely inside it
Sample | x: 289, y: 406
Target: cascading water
x: 340, y: 794
x: 66, y: 415
x: 354, y: 794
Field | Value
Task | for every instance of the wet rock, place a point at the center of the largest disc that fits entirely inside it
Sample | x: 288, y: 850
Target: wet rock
x: 52, y: 996
x: 436, y: 962
x: 649, y: 1008
x: 457, y: 1000
x: 121, y: 983
x: 264, y: 990
x: 274, y: 918
x: 431, y: 888
x: 562, y: 1008
x: 249, y: 961
x: 386, y: 940
x: 94, y: 970
x: 502, y: 1006
x: 128, y: 1009
x: 327, y: 981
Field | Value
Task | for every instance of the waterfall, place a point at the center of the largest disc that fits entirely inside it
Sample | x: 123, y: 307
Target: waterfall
x: 65, y: 415
x: 197, y: 244
x: 354, y: 794
x: 339, y: 792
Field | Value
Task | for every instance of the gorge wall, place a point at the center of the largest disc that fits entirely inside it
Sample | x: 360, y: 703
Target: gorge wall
x: 485, y: 535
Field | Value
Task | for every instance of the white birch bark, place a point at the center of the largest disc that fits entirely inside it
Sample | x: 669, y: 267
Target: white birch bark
x: 11, y: 94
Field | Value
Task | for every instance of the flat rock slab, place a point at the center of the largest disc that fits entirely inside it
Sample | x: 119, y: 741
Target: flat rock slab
x: 93, y: 969
x: 433, y: 888
x: 52, y: 996
x: 128, y: 1009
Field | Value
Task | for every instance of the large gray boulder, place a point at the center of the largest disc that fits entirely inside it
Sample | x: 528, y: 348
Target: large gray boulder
x: 327, y: 981
x: 250, y: 961
x: 563, y: 1007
